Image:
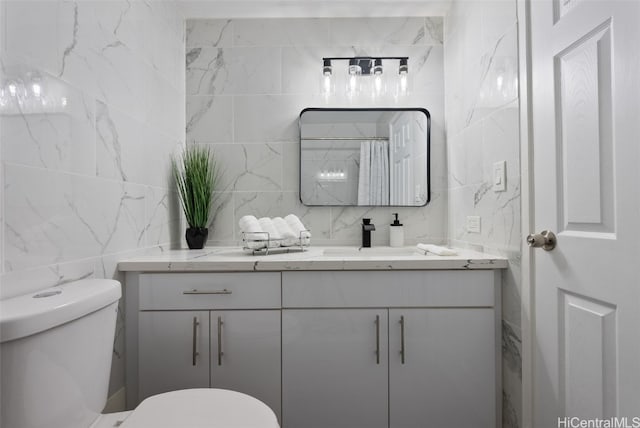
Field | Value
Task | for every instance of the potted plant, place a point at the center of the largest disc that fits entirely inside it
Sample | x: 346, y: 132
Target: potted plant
x: 196, y: 175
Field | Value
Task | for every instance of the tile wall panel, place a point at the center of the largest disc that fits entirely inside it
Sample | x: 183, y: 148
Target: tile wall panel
x: 85, y: 168
x: 481, y: 99
x: 249, y: 115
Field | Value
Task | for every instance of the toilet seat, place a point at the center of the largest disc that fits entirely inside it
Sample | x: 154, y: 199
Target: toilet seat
x: 201, y: 408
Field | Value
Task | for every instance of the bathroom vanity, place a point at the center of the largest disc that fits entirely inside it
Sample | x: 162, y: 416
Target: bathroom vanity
x: 331, y: 337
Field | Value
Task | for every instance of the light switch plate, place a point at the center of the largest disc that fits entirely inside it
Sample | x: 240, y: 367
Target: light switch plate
x: 500, y: 176
x: 473, y: 224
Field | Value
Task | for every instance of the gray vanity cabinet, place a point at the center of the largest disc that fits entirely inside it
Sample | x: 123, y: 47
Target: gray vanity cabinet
x: 173, y: 351
x: 245, y: 353
x: 335, y: 368
x: 218, y: 330
x: 339, y: 349
x: 442, y: 368
x: 436, y: 336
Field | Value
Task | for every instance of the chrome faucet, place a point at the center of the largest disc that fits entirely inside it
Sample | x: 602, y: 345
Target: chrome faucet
x: 367, y: 227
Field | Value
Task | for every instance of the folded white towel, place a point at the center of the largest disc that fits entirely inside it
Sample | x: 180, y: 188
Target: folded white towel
x: 267, y: 226
x: 289, y: 238
x: 435, y: 249
x: 301, y: 232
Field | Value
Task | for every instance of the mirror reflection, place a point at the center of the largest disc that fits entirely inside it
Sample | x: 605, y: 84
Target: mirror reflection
x: 364, y: 157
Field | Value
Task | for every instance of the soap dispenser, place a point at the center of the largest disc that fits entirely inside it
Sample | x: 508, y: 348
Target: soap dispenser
x: 396, y: 233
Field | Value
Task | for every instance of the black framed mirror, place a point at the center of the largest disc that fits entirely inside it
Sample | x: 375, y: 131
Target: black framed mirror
x: 365, y: 157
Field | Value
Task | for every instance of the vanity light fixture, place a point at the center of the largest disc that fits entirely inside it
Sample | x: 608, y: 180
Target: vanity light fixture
x: 365, y: 75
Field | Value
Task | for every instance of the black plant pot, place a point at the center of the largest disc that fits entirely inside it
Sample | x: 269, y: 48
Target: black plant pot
x: 196, y: 237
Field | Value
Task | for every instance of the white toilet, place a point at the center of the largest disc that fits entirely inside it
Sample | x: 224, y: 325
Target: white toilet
x: 55, y: 356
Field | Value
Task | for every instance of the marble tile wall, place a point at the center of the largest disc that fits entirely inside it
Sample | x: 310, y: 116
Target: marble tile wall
x: 85, y: 166
x: 482, y: 116
x: 247, y: 81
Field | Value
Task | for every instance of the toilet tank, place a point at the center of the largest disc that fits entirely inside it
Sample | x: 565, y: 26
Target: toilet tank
x: 55, y: 354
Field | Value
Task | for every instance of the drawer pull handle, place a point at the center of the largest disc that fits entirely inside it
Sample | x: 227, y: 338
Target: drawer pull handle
x: 196, y: 291
x: 377, y: 321
x: 402, y: 348
x: 220, y: 353
x: 194, y: 350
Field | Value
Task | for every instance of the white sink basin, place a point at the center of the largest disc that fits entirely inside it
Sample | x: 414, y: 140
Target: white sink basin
x: 370, y: 252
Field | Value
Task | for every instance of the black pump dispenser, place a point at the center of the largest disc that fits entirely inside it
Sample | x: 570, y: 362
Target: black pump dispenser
x: 396, y: 222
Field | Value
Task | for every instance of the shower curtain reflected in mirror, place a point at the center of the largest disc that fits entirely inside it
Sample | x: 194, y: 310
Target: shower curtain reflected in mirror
x: 373, y: 179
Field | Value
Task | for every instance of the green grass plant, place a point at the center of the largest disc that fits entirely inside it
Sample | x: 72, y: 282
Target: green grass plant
x: 197, y: 174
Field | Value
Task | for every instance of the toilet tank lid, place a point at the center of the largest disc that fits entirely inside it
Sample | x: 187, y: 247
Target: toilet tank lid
x: 32, y: 313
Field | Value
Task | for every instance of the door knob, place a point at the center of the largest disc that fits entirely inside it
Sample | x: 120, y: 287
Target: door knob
x: 546, y: 240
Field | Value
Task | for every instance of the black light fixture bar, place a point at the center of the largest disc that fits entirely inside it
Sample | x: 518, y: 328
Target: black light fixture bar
x: 366, y: 63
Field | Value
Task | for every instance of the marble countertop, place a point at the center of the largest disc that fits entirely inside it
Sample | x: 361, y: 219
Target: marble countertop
x: 220, y: 259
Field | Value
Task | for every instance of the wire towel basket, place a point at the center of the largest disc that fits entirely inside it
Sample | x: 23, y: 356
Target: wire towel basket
x: 261, y: 243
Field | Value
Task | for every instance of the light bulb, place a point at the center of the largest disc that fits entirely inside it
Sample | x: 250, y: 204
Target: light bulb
x: 404, y: 84
x: 13, y: 89
x: 37, y: 90
x: 327, y: 80
x: 353, y: 81
x: 378, y: 85
x: 326, y: 83
x: 353, y: 84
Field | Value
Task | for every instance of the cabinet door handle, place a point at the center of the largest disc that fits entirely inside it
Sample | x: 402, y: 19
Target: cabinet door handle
x: 377, y: 339
x: 220, y: 353
x: 196, y: 291
x: 402, y: 348
x: 194, y: 350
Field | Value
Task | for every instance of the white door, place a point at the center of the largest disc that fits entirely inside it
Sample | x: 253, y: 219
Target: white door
x: 400, y: 159
x: 245, y: 354
x: 332, y: 376
x: 442, y: 368
x: 586, y: 135
x: 173, y: 351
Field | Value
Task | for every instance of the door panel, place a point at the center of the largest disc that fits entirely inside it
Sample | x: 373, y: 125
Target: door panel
x: 587, y: 330
x: 245, y: 354
x: 401, y: 155
x: 585, y: 83
x: 331, y: 374
x: 585, y: 146
x: 448, y: 377
x: 166, y: 351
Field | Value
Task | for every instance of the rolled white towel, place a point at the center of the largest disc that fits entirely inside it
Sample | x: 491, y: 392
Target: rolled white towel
x: 296, y: 225
x: 436, y: 249
x: 249, y: 224
x: 255, y: 245
x: 253, y: 233
x: 299, y: 229
x: 267, y: 226
x: 289, y: 238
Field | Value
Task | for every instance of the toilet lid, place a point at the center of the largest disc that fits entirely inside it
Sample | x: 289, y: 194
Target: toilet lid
x: 201, y: 408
